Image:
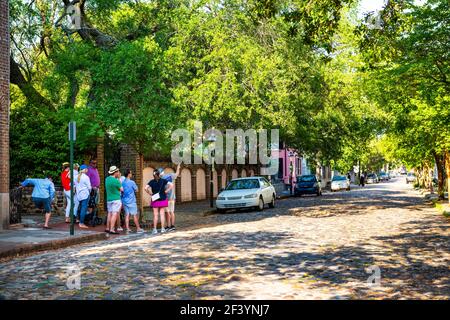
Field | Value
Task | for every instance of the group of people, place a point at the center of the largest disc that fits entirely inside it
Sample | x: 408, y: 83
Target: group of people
x: 120, y: 195
x: 86, y: 186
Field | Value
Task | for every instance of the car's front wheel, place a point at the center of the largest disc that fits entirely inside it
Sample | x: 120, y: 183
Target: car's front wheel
x: 260, y: 204
x: 272, y: 203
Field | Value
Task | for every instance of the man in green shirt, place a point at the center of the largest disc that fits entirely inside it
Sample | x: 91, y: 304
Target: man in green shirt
x: 113, y: 188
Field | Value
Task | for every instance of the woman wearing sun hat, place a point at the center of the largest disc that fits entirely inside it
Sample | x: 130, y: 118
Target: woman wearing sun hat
x: 83, y: 186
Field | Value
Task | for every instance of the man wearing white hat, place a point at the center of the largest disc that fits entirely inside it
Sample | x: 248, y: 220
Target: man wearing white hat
x: 113, y: 197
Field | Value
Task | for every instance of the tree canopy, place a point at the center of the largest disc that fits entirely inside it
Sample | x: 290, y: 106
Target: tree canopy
x: 136, y: 70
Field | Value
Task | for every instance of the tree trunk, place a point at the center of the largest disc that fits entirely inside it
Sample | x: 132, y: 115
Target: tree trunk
x: 139, y: 181
x: 440, y: 168
x: 420, y: 177
x: 447, y: 171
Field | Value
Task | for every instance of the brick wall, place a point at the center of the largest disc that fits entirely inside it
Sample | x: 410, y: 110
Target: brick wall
x: 101, y: 172
x: 4, y: 114
x: 28, y: 207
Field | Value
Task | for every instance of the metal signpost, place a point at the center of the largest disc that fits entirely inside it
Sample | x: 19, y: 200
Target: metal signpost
x: 72, y: 138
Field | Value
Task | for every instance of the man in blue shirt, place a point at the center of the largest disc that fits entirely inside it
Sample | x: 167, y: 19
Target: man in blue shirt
x: 42, y: 196
x: 129, y: 201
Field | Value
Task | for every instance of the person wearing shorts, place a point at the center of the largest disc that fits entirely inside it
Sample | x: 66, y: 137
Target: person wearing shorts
x: 113, y: 197
x: 129, y: 202
x: 42, y: 196
x: 170, y: 210
x: 158, y: 187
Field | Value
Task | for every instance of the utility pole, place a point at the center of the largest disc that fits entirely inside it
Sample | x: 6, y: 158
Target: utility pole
x: 72, y: 138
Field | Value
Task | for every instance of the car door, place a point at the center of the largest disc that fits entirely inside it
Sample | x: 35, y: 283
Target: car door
x: 267, y: 191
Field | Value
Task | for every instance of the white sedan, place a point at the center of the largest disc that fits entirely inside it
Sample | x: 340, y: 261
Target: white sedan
x: 253, y: 192
x: 339, y: 183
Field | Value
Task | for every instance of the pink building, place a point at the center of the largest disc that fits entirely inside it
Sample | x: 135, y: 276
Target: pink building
x: 289, y: 167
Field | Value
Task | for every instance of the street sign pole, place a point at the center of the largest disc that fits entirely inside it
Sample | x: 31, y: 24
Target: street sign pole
x: 211, y: 183
x: 72, y: 137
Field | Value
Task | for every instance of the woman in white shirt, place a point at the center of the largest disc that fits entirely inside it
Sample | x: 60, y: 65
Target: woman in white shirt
x: 83, y: 186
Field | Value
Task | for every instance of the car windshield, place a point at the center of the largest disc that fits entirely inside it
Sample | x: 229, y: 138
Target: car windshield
x: 371, y: 175
x: 306, y: 179
x: 339, y: 178
x: 243, y: 184
x: 410, y: 174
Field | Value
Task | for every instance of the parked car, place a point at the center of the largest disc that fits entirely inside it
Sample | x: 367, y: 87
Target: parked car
x: 383, y: 176
x: 372, y: 178
x: 308, y: 184
x: 252, y: 192
x: 339, y: 183
x: 410, y: 177
x: 392, y: 174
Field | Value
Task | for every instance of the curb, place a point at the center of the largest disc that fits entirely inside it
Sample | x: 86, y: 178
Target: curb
x: 209, y: 212
x: 50, y: 245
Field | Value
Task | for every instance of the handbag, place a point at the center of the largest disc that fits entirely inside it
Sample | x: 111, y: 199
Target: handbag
x: 155, y: 197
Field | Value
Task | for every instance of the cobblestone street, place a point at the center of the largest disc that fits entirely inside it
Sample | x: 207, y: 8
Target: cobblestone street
x: 305, y: 248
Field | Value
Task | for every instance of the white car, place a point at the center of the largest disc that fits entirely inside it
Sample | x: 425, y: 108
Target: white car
x: 410, y: 177
x: 340, y: 183
x: 252, y: 192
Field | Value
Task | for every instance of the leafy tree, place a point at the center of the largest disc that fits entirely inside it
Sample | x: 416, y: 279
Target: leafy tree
x: 408, y: 61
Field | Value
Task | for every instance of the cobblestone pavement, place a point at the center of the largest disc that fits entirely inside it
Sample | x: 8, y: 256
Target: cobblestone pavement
x: 328, y: 247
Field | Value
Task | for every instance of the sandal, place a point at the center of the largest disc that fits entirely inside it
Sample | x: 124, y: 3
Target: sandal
x: 113, y: 232
x: 83, y: 226
x: 47, y: 227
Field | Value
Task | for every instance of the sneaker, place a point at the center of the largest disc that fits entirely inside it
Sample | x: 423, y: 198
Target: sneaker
x: 163, y: 230
x: 140, y: 231
x: 172, y: 228
x: 155, y: 231
x: 119, y: 229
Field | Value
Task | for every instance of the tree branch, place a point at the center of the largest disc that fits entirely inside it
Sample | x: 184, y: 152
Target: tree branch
x: 32, y: 95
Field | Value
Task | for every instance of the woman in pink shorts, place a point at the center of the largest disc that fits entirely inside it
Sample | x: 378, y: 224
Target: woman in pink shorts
x: 158, y: 189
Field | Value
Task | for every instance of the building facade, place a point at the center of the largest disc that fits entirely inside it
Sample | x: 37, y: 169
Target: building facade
x: 4, y: 114
x: 193, y: 183
x: 289, y: 167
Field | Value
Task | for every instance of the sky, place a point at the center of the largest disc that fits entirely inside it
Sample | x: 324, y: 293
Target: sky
x: 370, y: 5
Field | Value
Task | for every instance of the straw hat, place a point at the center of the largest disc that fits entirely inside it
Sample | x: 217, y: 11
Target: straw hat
x: 113, y: 170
